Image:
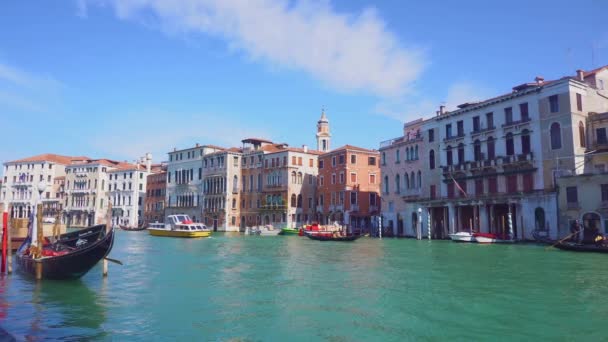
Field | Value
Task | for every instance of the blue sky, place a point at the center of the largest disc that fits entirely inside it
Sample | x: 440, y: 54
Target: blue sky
x: 118, y: 78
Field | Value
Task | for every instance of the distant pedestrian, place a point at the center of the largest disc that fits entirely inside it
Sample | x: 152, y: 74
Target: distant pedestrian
x: 575, y: 228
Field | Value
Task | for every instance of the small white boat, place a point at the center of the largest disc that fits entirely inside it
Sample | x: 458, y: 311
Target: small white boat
x: 267, y: 230
x: 462, y: 237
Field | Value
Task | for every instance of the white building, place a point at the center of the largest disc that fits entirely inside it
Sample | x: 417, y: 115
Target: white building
x: 185, y: 179
x: 21, y: 178
x: 221, y: 198
x: 128, y: 190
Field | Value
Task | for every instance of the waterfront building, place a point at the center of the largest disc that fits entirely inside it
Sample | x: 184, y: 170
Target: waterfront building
x: 348, y: 188
x: 127, y: 191
x: 221, y: 172
x: 86, y: 193
x: 156, y: 190
x: 184, y: 181
x: 278, y: 184
x: 494, y: 164
x: 581, y: 171
x: 402, y: 169
x: 21, y: 178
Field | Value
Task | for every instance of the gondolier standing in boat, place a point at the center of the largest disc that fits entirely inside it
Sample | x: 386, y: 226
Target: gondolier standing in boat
x: 575, y: 228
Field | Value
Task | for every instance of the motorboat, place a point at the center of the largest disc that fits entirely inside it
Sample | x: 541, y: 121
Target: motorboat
x: 267, y: 230
x: 462, y: 237
x: 179, y: 226
x: 492, y: 238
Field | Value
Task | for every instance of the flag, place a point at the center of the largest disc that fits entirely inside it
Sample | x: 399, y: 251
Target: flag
x: 459, y: 187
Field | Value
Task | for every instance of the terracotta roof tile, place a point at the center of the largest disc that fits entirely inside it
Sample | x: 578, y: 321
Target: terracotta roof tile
x: 50, y: 157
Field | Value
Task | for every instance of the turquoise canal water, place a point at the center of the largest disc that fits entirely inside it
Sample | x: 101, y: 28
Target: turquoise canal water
x: 243, y: 288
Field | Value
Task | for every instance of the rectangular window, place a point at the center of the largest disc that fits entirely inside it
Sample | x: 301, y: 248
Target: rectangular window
x: 200, y: 173
x: 353, y: 198
x: 523, y: 111
x: 431, y: 135
x: 300, y: 161
x: 479, y: 187
x: 528, y: 182
x: 353, y: 159
x: 600, y: 134
x: 310, y: 179
x: 433, y: 192
x: 604, y: 192
x: 476, y: 125
x: 310, y: 163
x: 511, y: 183
x: 333, y: 178
x: 341, y: 177
x: 490, y: 120
x: 321, y: 180
x: 553, y: 104
x: 371, y: 161
x: 508, y: 115
x: 333, y: 161
x: 571, y: 194
x: 579, y: 102
x: 293, y: 160
x: 372, y: 198
x: 493, y: 185
x: 320, y: 164
x: 460, y: 128
x: 372, y: 179
x: 235, y: 161
x: 451, y: 190
x: 341, y: 161
x: 448, y: 131
x: 353, y: 177
x: 284, y: 161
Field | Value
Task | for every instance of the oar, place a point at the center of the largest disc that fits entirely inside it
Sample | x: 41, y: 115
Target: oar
x: 114, y: 261
x: 560, y: 241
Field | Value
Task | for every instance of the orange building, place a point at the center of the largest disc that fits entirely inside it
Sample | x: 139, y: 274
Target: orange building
x: 156, y: 189
x: 348, y: 188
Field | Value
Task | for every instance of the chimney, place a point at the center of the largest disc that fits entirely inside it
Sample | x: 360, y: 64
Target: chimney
x: 437, y: 112
x: 197, y: 145
x: 580, y: 74
x: 539, y: 80
x: 441, y: 110
x: 305, y: 148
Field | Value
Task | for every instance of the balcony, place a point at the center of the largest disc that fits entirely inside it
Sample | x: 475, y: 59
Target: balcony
x: 521, y: 122
x: 600, y: 144
x: 273, y: 207
x: 481, y: 130
x: 320, y: 208
x: 336, y: 207
x: 354, y: 207
x: 453, y: 137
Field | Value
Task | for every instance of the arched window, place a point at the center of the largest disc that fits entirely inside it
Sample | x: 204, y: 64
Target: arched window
x: 449, y: 155
x: 235, y: 184
x: 293, y: 200
x: 525, y: 141
x: 300, y: 201
x: 581, y: 134
x: 419, y: 179
x: 491, y: 149
x: 293, y: 177
x: 416, y: 153
x: 461, y: 153
x: 510, y: 144
x: 432, y: 160
x: 477, y: 150
x: 383, y: 158
x: 407, y: 153
x: 556, y: 136
x: 299, y: 177
x: 386, y: 184
x: 397, y: 184
x: 412, y: 180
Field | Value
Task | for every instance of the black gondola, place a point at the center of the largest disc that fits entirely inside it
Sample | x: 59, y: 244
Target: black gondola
x: 323, y: 237
x: 71, y: 256
x: 577, y: 247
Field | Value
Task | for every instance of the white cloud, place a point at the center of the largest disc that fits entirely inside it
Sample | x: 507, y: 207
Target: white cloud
x: 15, y: 76
x: 26, y: 91
x: 347, y: 52
x: 417, y: 106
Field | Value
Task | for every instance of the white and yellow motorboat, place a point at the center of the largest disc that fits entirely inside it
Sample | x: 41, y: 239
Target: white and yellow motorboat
x: 179, y: 226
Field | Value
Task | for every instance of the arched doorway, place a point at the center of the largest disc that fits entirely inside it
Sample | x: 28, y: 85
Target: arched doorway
x: 539, y: 218
x: 399, y: 225
x: 415, y: 223
x: 591, y: 226
x: 243, y: 223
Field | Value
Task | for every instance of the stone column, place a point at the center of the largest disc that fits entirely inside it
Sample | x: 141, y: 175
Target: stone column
x: 452, y: 217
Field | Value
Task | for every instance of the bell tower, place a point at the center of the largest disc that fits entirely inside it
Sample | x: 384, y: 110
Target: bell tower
x: 323, y: 135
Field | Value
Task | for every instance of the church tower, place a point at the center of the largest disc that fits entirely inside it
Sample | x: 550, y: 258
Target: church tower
x: 323, y: 135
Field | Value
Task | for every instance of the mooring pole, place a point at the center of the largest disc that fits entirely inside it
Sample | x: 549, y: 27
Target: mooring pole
x: 10, y: 241
x: 4, y: 241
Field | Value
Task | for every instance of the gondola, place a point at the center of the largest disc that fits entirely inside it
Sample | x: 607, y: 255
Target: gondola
x: 133, y: 229
x: 328, y: 237
x: 71, y: 256
x: 577, y: 247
